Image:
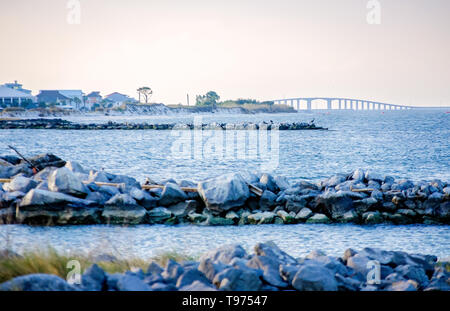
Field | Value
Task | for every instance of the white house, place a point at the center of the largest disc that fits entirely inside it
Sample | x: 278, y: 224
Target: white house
x: 118, y: 99
x: 11, y: 97
x: 76, y: 98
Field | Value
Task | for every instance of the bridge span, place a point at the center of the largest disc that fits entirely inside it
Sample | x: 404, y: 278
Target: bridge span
x: 335, y: 103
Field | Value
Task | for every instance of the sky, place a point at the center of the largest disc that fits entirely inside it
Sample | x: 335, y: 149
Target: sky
x: 261, y: 49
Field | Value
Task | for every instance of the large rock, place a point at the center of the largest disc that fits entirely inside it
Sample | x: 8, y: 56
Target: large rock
x: 93, y: 279
x: 197, y: 286
x: 224, y: 192
x: 225, y: 254
x: 336, y: 204
x: 122, y: 209
x: 261, y: 218
x: 36, y: 282
x: 158, y: 215
x: 270, y: 267
x: 38, y: 199
x: 20, y: 183
x: 191, y: 276
x: 267, y: 200
x: 318, y: 219
x: 172, y: 194
x: 314, y: 277
x: 65, y: 181
x: 75, y: 167
x: 232, y: 279
x: 45, y: 160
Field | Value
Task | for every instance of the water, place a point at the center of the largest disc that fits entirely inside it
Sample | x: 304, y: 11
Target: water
x: 406, y: 144
x: 146, y: 241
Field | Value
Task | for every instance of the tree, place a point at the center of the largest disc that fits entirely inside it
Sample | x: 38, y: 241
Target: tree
x: 146, y: 92
x: 209, y: 99
x: 77, y: 102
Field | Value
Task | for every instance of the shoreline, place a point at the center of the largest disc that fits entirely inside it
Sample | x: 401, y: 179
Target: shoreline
x: 64, y: 193
x: 231, y: 268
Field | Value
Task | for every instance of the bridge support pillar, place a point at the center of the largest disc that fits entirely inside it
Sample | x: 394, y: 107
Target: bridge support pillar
x: 308, y: 104
x: 329, y: 104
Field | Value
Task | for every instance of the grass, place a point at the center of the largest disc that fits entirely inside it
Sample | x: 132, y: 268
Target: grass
x: 51, y: 262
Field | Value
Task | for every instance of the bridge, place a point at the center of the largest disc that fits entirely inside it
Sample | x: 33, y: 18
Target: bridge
x: 334, y: 103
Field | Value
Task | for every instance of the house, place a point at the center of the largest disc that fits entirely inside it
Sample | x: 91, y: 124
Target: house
x: 117, y: 99
x: 76, y: 98
x: 10, y: 97
x: 93, y: 98
x: 18, y: 87
x: 53, y: 97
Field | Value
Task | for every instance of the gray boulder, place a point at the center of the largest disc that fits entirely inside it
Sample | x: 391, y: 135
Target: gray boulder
x: 36, y: 282
x: 20, y: 183
x: 122, y: 209
x: 65, y: 181
x: 75, y: 167
x: 314, y: 277
x: 269, y: 183
x: 232, y: 279
x: 270, y: 267
x: 132, y: 283
x: 172, y: 194
x: 191, y: 276
x: 197, y: 286
x: 38, y: 198
x: 224, y: 192
x: 158, y: 215
x: 93, y: 279
x: 225, y: 254
x: 267, y: 200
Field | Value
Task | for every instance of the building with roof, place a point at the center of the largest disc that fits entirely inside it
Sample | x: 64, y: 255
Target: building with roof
x: 117, y: 99
x: 93, y: 98
x: 69, y: 99
x: 76, y: 98
x: 10, y: 97
x: 18, y: 87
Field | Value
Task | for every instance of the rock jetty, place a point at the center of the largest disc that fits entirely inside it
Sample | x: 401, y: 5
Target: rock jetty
x: 231, y: 268
x: 63, y: 193
x: 61, y: 124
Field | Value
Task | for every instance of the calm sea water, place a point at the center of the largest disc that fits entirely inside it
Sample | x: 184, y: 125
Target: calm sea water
x: 406, y: 144
x: 146, y: 241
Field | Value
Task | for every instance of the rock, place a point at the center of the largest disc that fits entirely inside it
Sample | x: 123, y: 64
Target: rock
x: 191, y: 276
x: 358, y: 175
x: 295, y: 203
x: 224, y: 192
x: 93, y: 279
x: 7, y: 170
x: 210, y: 268
x: 11, y: 159
x: 414, y: 273
x: 372, y: 218
x: 154, y: 269
x: 288, y: 218
x: 370, y: 175
x: 271, y: 250
x: 402, y: 286
x: 304, y: 214
x: 99, y: 176
x: 197, y: 286
x: 172, y: 271
x: 182, y: 209
x: 267, y: 200
x: 270, y: 267
x: 63, y: 180
x: 314, y: 277
x: 358, y: 263
x: 128, y: 181
x: 232, y: 279
x: 377, y: 195
x: 20, y: 183
x: 45, y: 160
x: 36, y: 282
x: 372, y: 184
x: 440, y: 280
x: 133, y: 283
x: 233, y: 216
x: 349, y: 217
x: 122, y: 209
x: 269, y: 183
x: 75, y: 167
x: 225, y: 254
x: 218, y: 221
x: 281, y: 182
x: 158, y: 215
x: 336, y: 203
x: 172, y: 194
x: 287, y: 272
x: 318, y: 219
x: 38, y: 199
x: 196, y: 218
x: 261, y: 218
x: 335, y: 180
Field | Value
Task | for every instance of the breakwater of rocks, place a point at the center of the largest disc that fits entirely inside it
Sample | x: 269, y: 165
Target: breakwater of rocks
x: 231, y: 268
x: 63, y: 193
x: 61, y: 124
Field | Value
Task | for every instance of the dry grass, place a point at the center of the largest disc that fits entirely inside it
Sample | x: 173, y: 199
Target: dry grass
x: 52, y: 262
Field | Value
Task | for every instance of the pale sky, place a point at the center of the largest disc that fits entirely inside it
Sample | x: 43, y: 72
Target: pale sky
x: 262, y: 49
